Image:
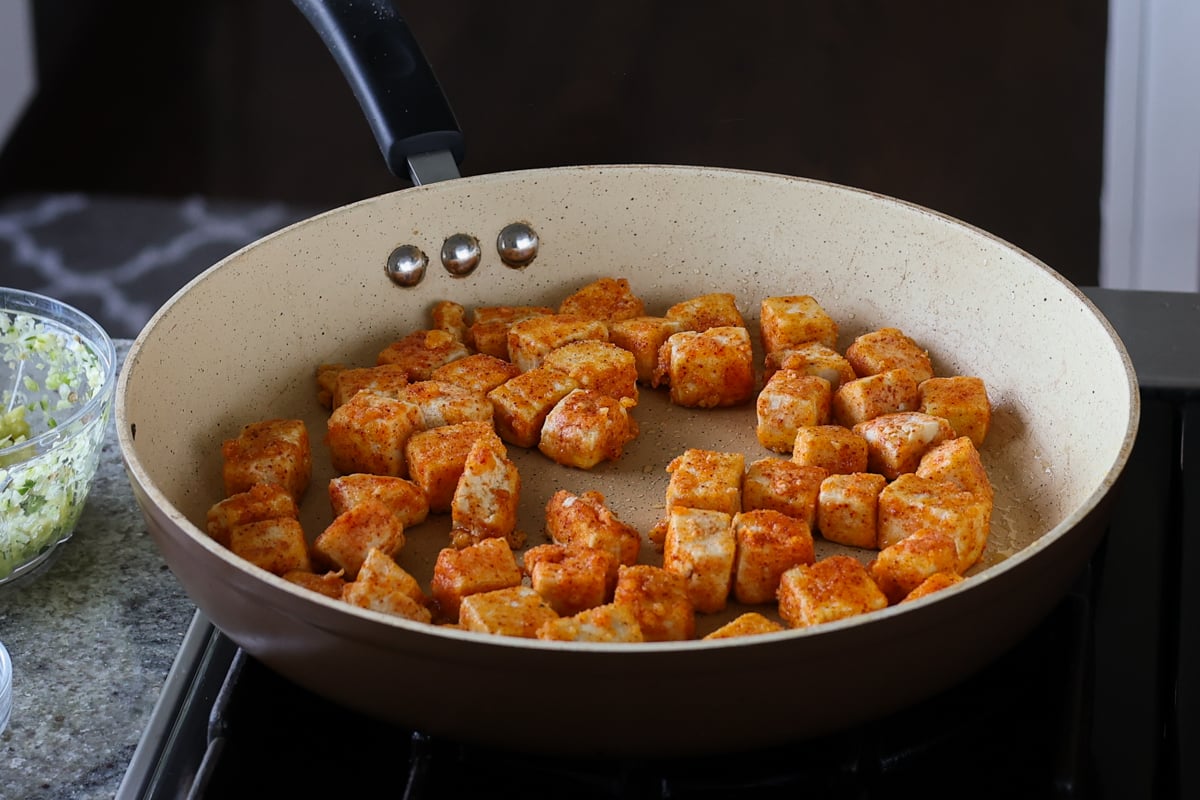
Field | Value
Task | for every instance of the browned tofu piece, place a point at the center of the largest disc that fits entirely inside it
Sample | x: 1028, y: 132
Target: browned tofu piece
x: 443, y: 403
x: 404, y: 498
x: 787, y: 322
x: 768, y: 544
x: 834, y: 588
x: 812, y: 358
x: 481, y: 567
x: 489, y: 326
x: 585, y: 428
x: 934, y: 583
x: 383, y: 585
x: 609, y: 299
x: 530, y: 340
x: 790, y: 401
x: 831, y: 447
x: 896, y: 442
x: 659, y: 601
x: 782, y: 485
x: 751, y: 623
x: 597, y: 365
x: 585, y: 521
x: 848, y: 508
x: 276, y: 545
x: 387, y: 379
x: 520, y: 404
x: 903, y: 566
x: 910, y: 503
x: 329, y: 584
x: 369, y: 525
x: 368, y: 433
x: 643, y: 337
x: 707, y: 369
x: 262, y: 501
x: 717, y: 310
x: 513, y: 611
x: 479, y: 372
x: 421, y: 352
x: 607, y: 623
x: 272, y: 451
x: 451, y: 317
x: 958, y: 462
x: 887, y: 349
x: 486, y: 497
x: 571, y: 579
x: 963, y: 400
x: 873, y: 395
x: 327, y: 381
x: 700, y: 547
x: 436, y: 458
x: 706, y: 479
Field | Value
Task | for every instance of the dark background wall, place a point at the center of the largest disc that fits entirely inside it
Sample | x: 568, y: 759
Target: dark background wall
x: 990, y: 111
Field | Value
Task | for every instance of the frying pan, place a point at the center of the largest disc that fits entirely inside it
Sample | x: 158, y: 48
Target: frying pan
x: 241, y: 343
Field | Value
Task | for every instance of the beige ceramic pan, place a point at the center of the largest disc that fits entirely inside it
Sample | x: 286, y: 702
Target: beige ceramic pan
x: 241, y: 342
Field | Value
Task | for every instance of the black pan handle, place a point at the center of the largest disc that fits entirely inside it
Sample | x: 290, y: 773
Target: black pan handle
x: 391, y: 79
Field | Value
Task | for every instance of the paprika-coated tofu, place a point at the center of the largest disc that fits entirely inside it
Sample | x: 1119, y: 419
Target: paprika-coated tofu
x: 597, y: 365
x: 488, y: 332
x: 451, y: 317
x: 707, y: 369
x: 276, y: 545
x: 585, y: 428
x: 659, y: 601
x: 530, y: 340
x: 782, y: 485
x: 789, y: 321
x: 961, y: 399
x: 437, y: 457
x: 262, y: 501
x: 848, y: 508
x: 896, y: 442
x: 768, y: 544
x: 700, y: 547
x: 368, y: 433
x: 887, y: 349
x: 609, y: 299
x: 383, y: 585
x: 903, y: 566
x: 868, y: 397
x: 606, y: 623
x: 643, y: 337
x: 812, y: 358
x: 934, y: 583
x: 481, y: 567
x: 910, y: 503
x: 585, y: 521
x: 443, y: 403
x: 831, y: 447
x: 571, y: 579
x: 387, y: 379
x: 520, y: 404
x: 404, y: 498
x: 327, y: 382
x: 788, y: 402
x: 958, y: 462
x: 271, y: 451
x: 488, y: 493
x: 716, y: 310
x: 478, y: 372
x: 421, y: 352
x: 369, y: 525
x: 706, y: 479
x: 329, y: 584
x: 833, y: 588
x: 751, y: 623
x: 513, y: 611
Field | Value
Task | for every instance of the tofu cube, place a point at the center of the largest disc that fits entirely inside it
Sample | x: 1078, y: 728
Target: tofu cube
x: 790, y: 401
x: 606, y: 623
x: 450, y: 317
x: 436, y: 459
x: 782, y: 485
x: 479, y: 373
x: 481, y: 567
x: 751, y: 623
x: 387, y: 379
x: 896, y: 442
x: 262, y: 501
x: 421, y: 352
x: 276, y: 545
x: 383, y: 585
x: 585, y: 428
x: 812, y: 358
x: 272, y: 451
x: 717, y: 310
x: 659, y: 601
x: 963, y: 400
x: 834, y: 588
x: 934, y: 583
x: 848, y: 508
x: 489, y: 326
x: 584, y: 521
x: 485, y: 500
x: 904, y: 566
x: 327, y: 382
x: 707, y: 369
x: 700, y: 547
x: 404, y: 498
x: 873, y: 395
x: 368, y: 433
x: 831, y: 447
x: 520, y: 405
x: 530, y: 340
x: 643, y: 337
x: 329, y: 584
x: 957, y: 461
x: 910, y: 503
x: 444, y: 403
x: 514, y: 611
x: 706, y: 479
x: 609, y: 299
x: 768, y: 544
x: 888, y: 349
x: 597, y: 365
x: 787, y: 322
x: 571, y: 579
x: 369, y: 525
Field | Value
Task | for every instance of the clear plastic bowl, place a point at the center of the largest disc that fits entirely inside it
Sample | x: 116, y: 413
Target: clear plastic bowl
x: 57, y: 374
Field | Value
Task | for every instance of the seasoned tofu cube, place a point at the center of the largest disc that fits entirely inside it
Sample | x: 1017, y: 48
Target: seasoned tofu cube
x: 329, y: 584
x: 831, y: 447
x: 481, y: 567
x: 813, y: 358
x: 276, y: 545
x: 530, y: 340
x: 609, y: 299
x: 707, y: 369
x: 571, y: 579
x: 368, y: 433
x: 873, y: 395
x: 700, y: 547
x: 717, y: 310
x: 444, y: 403
x: 450, y: 317
x: 888, y: 349
x: 910, y: 503
x: 787, y: 322
x: 958, y: 462
x: 514, y: 611
x: 486, y: 497
x: 751, y: 623
x: 421, y: 352
x: 272, y: 451
x: 327, y: 381
x: 520, y: 404
x: 489, y: 326
x: 706, y: 479
x: 768, y: 544
x: 834, y: 588
x: 659, y: 601
x: 479, y: 372
x: 903, y: 566
x: 934, y: 583
x: 848, y: 508
x: 369, y: 525
x: 597, y: 365
x: 437, y: 457
x: 782, y: 485
x: 643, y: 337
x: 404, y: 498
x: 585, y: 428
x: 387, y: 379
x: 262, y: 501
x: 961, y: 399
x: 790, y: 401
x: 606, y: 623
x: 896, y: 442
x: 581, y: 521
x: 383, y: 585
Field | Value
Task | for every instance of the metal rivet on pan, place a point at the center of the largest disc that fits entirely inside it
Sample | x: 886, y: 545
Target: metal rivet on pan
x: 517, y: 244
x: 460, y: 254
x: 406, y: 265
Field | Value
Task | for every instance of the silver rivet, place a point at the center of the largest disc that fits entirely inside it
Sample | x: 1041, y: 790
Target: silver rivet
x: 517, y: 244
x: 460, y: 254
x: 406, y: 265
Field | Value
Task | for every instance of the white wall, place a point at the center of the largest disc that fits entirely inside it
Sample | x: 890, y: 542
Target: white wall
x: 18, y: 79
